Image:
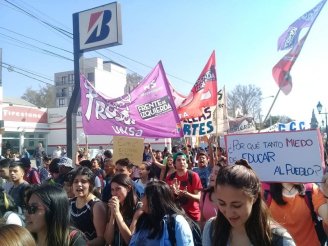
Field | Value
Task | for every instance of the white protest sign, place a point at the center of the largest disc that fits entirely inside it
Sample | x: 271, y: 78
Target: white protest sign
x: 295, y: 156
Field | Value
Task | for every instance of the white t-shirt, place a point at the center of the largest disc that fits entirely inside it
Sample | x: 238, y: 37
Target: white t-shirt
x: 56, y: 153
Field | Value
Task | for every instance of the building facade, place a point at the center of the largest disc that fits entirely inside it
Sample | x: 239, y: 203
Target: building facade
x: 106, y: 76
x: 24, y: 126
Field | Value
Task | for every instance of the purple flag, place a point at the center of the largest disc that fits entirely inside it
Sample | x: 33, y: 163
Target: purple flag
x: 290, y: 37
x: 148, y: 111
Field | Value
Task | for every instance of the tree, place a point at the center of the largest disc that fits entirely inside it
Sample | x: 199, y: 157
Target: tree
x: 314, y: 122
x: 245, y: 98
x: 273, y: 119
x: 132, y: 80
x: 44, y: 97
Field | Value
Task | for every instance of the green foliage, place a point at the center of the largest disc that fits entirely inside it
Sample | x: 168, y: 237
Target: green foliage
x: 271, y: 120
x: 132, y: 80
x: 44, y: 97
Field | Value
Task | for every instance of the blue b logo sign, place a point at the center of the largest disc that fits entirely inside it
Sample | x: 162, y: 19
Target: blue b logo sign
x: 99, y: 25
x: 97, y: 28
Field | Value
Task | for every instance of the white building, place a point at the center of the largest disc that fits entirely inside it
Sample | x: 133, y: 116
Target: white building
x: 106, y: 76
x: 25, y: 125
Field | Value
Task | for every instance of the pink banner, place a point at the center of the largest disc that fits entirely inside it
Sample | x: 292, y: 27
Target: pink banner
x: 148, y: 111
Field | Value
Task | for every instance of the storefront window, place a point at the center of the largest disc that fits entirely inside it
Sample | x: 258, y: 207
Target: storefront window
x: 13, y: 140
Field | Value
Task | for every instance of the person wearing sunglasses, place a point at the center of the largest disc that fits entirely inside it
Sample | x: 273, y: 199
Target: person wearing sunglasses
x: 47, y: 217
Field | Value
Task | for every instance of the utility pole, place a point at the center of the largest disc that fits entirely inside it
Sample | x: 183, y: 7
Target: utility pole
x: 1, y: 100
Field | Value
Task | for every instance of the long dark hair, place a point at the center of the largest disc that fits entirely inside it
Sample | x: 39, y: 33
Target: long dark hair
x: 241, y: 176
x: 167, y: 168
x: 161, y: 202
x: 57, y: 217
x: 210, y: 189
x: 129, y: 204
x: 276, y: 192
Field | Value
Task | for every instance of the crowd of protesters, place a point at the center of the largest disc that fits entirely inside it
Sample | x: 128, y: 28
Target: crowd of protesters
x: 188, y: 196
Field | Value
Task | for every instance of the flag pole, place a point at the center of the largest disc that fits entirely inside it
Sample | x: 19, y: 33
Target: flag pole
x: 274, y: 100
x: 216, y: 117
x: 185, y: 142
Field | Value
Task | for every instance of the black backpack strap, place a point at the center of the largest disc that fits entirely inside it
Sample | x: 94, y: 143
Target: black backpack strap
x: 318, y: 224
x: 190, y: 174
x: 308, y: 196
x: 171, y: 228
x: 267, y: 197
x: 204, y: 196
x: 172, y: 176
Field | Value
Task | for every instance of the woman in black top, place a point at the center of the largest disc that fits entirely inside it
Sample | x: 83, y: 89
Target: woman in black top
x: 88, y: 213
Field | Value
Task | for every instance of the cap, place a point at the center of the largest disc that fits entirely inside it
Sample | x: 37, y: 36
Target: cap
x: 66, y: 162
x: 175, y: 156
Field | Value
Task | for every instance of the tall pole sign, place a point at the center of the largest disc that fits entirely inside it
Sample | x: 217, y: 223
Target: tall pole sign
x: 93, y: 29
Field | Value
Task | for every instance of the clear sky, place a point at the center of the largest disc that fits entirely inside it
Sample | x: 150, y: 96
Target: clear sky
x: 182, y: 34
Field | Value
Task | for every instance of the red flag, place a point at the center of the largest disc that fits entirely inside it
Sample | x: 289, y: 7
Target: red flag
x: 288, y: 40
x: 281, y: 71
x: 203, y: 93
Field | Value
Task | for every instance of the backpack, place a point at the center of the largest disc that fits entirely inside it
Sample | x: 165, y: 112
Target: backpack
x: 190, y: 174
x: 278, y: 236
x: 77, y: 238
x: 195, y: 229
x: 8, y: 207
x: 30, y: 174
x: 308, y: 200
x: 20, y: 215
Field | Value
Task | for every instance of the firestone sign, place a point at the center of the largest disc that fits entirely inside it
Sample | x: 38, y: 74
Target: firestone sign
x: 23, y: 114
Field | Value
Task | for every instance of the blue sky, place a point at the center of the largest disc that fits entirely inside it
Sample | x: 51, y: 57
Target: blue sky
x: 182, y: 34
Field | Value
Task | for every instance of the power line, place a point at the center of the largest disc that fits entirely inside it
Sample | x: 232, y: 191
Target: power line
x: 36, y: 47
x: 148, y: 66
x: 43, y: 14
x: 10, y: 67
x: 26, y: 75
x: 50, y: 45
x: 62, y: 31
